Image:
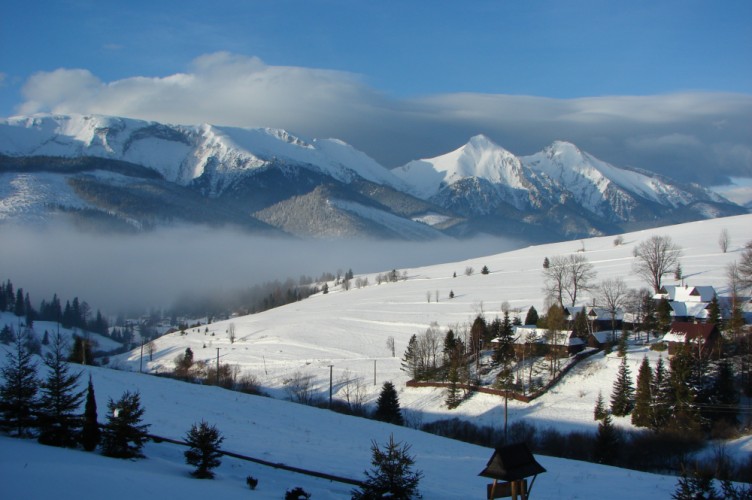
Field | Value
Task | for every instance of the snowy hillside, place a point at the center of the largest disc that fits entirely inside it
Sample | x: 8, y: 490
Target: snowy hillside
x: 349, y: 329
x: 278, y: 432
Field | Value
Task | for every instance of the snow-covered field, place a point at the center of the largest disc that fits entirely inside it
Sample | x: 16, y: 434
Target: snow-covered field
x: 349, y: 330
x: 277, y: 431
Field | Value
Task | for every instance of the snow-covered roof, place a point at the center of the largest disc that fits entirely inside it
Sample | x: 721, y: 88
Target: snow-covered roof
x: 530, y: 334
x: 594, y: 313
x: 686, y: 293
x: 689, y: 332
x: 697, y: 310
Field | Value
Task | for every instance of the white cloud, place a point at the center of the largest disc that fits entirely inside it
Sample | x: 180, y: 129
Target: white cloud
x: 652, y: 132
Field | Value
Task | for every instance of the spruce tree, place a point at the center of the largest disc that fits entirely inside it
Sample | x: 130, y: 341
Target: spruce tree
x: 409, y: 363
x: 204, y: 453
x: 453, y: 398
x: 18, y: 392
x: 580, y: 325
x: 606, y: 442
x: 124, y: 435
x: 600, y: 411
x: 387, y: 406
x: 622, y: 397
x: 685, y: 386
x: 724, y: 398
x: 663, y: 396
x: 714, y: 312
x: 532, y: 316
x: 663, y: 314
x: 622, y: 344
x: 392, y: 475
x: 504, y: 353
x: 642, y: 414
x: 59, y: 398
x: 90, y: 434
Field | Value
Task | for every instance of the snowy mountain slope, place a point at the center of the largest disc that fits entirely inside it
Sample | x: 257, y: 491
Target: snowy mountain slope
x: 349, y: 329
x: 560, y: 192
x: 481, y: 178
x: 182, y: 154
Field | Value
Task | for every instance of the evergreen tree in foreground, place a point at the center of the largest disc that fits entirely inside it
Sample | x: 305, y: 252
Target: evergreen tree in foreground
x: 204, y: 454
x: 392, y: 475
x: 642, y: 415
x: 622, y: 397
x: 90, y: 434
x: 18, y: 392
x: 387, y: 406
x: 606, y: 442
x: 60, y: 399
x: 124, y: 435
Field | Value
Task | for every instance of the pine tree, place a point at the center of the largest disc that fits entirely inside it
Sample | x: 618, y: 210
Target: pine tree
x: 387, y: 406
x: 600, y: 412
x: 124, y: 435
x: 204, y: 453
x: 59, y: 399
x: 663, y: 396
x: 622, y: 344
x: 642, y: 414
x: 606, y: 442
x: 392, y: 475
x: 622, y: 397
x: 90, y: 434
x: 580, y: 325
x: 18, y: 392
x: 81, y: 351
x: 685, y: 386
x: 663, y: 314
x: 724, y: 398
x: 484, y: 270
x: 532, y: 316
x: 453, y: 398
x: 504, y: 353
x: 714, y: 312
x: 409, y: 363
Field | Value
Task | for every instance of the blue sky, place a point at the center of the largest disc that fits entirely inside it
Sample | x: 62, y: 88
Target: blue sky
x: 403, y: 79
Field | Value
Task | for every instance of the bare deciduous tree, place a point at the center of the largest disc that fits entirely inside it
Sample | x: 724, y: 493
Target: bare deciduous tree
x: 390, y: 344
x: 612, y: 295
x: 724, y: 239
x: 744, y: 267
x: 655, y: 258
x: 231, y: 333
x: 570, y: 274
x: 581, y: 275
x: 353, y: 389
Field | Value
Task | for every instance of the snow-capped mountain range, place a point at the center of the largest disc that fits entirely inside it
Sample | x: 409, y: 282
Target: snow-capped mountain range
x: 122, y: 173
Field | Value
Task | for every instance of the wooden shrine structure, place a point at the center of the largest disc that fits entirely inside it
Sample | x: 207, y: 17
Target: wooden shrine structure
x: 512, y: 464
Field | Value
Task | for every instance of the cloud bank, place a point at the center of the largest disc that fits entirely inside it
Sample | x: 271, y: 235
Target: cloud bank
x: 122, y: 272
x: 691, y: 136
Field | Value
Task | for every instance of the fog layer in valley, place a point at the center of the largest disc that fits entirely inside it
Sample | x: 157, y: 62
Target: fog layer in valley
x: 122, y: 272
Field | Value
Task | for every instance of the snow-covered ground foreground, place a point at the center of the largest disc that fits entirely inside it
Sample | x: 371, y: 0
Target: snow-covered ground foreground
x: 276, y: 431
x: 349, y: 329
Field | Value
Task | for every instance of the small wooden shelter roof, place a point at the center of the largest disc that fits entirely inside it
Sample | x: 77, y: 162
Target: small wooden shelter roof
x: 511, y: 463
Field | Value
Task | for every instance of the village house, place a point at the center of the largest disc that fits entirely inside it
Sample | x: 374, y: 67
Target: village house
x: 704, y: 337
x: 599, y: 318
x: 532, y: 341
x: 689, y: 303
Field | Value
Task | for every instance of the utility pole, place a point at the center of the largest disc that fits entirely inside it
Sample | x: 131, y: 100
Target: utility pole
x: 374, y: 372
x: 141, y: 360
x: 330, y: 386
x: 217, y: 366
